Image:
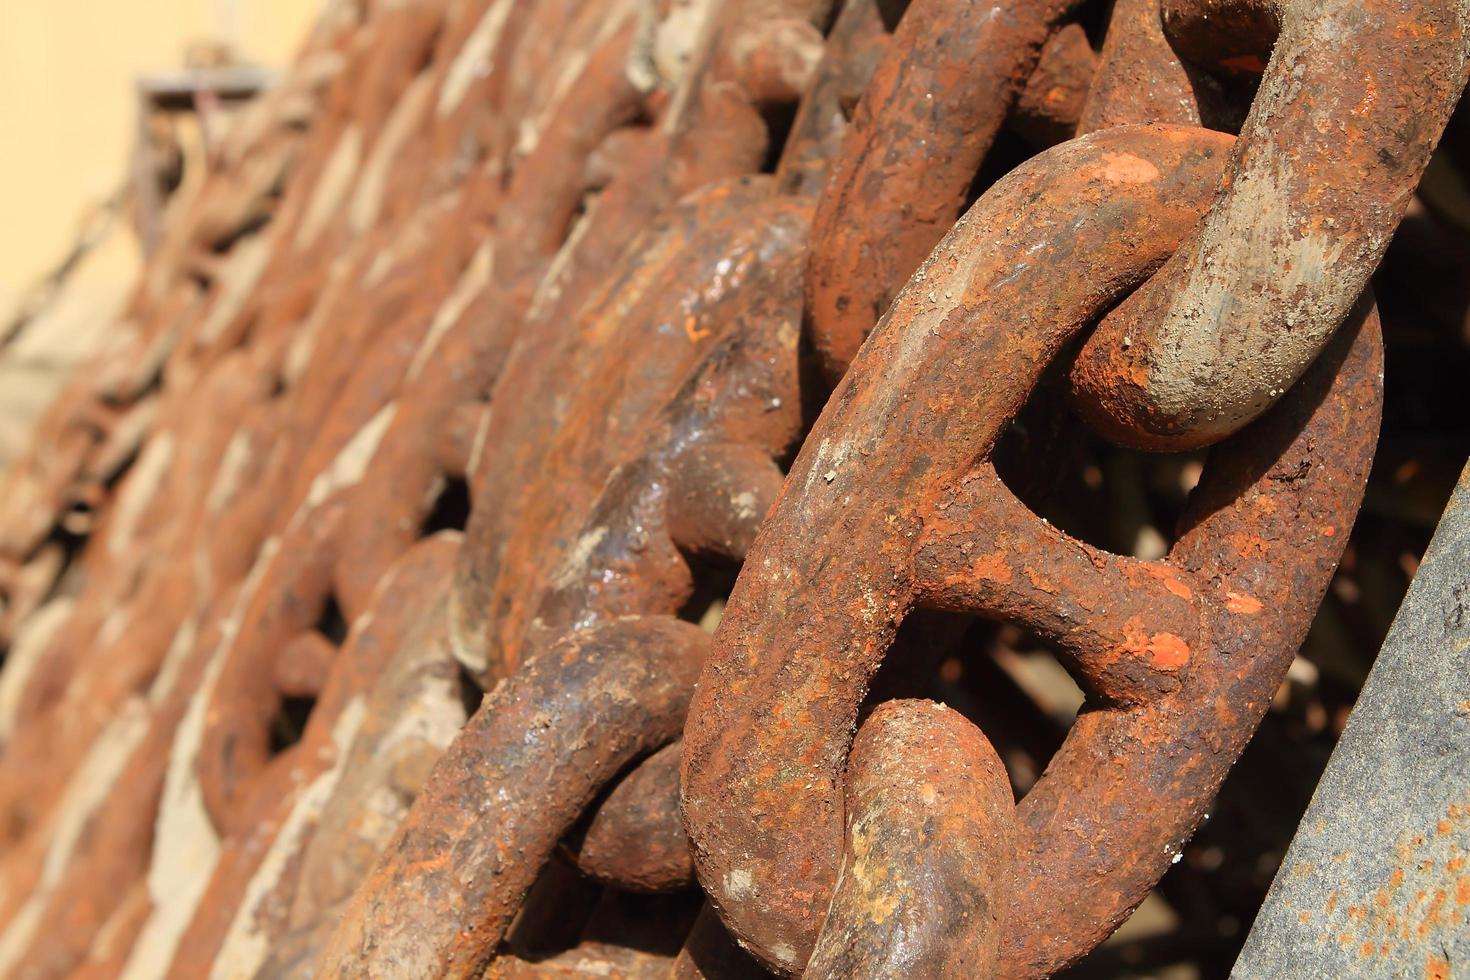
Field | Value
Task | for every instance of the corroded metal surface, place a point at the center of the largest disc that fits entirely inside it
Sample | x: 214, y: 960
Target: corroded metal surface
x: 907, y: 478
x: 357, y: 604
x: 1323, y: 172
x: 936, y: 101
x: 636, y: 840
x: 445, y: 892
x: 929, y: 845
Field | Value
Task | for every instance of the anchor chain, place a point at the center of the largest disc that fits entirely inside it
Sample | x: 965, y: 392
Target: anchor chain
x: 516, y: 523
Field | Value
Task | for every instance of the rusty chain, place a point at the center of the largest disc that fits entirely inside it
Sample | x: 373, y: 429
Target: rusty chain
x: 1334, y: 144
x: 1162, y: 646
x: 498, y: 340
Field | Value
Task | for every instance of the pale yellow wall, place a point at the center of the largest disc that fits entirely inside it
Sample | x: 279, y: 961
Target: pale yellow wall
x: 67, y: 109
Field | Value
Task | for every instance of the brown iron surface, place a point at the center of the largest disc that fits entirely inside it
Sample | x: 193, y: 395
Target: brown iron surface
x: 892, y: 504
x: 544, y: 742
x: 547, y: 267
x: 668, y: 279
x: 928, y: 849
x: 1336, y: 140
x: 635, y: 840
x: 936, y: 101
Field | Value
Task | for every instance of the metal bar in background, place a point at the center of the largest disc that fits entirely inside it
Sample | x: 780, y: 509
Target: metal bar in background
x: 1376, y: 882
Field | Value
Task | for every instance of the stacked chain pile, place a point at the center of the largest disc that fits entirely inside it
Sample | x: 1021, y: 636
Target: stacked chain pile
x: 477, y: 553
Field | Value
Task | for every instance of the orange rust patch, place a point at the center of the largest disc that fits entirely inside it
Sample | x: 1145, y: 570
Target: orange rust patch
x: 1328, y: 531
x: 1436, y: 968
x: 1239, y: 602
x: 1415, y: 30
x: 693, y: 331
x: 1125, y: 168
x: 1178, y: 588
x: 1367, y: 105
x: 1167, y: 651
x: 1435, y: 905
x: 1247, y: 545
x: 1039, y: 581
x: 1224, y: 712
x: 993, y: 568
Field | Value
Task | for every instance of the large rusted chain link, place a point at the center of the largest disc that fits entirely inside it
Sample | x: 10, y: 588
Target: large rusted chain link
x: 1328, y: 158
x: 929, y: 837
x: 892, y: 505
x: 851, y: 281
x: 936, y: 102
